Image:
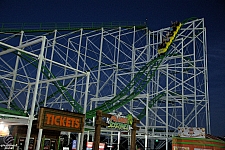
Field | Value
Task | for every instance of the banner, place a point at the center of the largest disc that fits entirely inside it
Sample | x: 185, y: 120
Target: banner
x: 192, y: 132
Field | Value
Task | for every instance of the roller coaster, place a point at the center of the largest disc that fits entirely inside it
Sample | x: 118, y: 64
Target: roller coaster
x: 109, y: 67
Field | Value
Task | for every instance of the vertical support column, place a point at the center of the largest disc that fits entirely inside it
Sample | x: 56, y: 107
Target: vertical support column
x: 116, y: 78
x: 117, y: 64
x: 99, y: 67
x: 14, y: 73
x: 50, y: 65
x: 39, y: 139
x: 41, y: 78
x: 133, y: 134
x: 111, y: 140
x: 166, y: 143
x: 65, y: 72
x: 27, y: 98
x: 195, y: 87
x: 118, y: 140
x: 146, y: 120
x: 98, y: 121
x: 182, y: 80
x: 31, y: 117
x: 154, y: 87
x: 46, y: 93
x: 88, y: 136
x: 78, y: 62
x: 146, y: 141
x: 167, y: 104
x: 147, y: 95
x: 208, y: 129
x: 132, y: 68
x: 85, y: 106
x: 78, y: 141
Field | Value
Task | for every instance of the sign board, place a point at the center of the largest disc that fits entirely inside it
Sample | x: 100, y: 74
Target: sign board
x: 53, y: 145
x: 192, y: 132
x: 89, y: 146
x: 53, y: 119
x: 120, y: 122
x: 184, y: 143
x: 74, y: 145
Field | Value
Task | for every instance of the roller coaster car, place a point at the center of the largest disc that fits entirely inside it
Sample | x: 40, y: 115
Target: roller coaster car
x: 172, y: 37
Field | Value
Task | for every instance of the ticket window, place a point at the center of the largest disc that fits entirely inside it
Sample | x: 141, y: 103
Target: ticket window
x: 21, y: 143
x: 47, y: 144
x: 31, y: 144
x: 53, y: 145
x: 74, y: 144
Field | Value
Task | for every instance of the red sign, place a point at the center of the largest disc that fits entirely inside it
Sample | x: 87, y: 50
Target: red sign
x: 90, y: 146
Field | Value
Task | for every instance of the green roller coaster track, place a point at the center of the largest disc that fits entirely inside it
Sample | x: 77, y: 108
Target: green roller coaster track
x: 49, y: 75
x: 151, y: 103
x: 6, y: 93
x: 63, y: 26
x: 4, y: 89
x: 58, y: 84
x: 137, y: 84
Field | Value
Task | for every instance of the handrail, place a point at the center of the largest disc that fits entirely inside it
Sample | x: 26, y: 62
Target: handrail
x: 51, y: 26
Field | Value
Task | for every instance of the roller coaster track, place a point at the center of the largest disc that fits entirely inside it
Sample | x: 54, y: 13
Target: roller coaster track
x: 151, y: 103
x: 12, y: 112
x: 159, y: 96
x: 63, y: 26
x: 49, y: 75
x: 137, y: 84
x: 6, y: 93
x: 4, y: 89
x: 57, y: 84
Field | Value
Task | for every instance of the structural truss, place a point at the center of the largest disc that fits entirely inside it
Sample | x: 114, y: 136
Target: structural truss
x: 115, y: 69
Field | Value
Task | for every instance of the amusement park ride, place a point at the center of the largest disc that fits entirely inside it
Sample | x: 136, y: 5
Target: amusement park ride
x: 159, y: 77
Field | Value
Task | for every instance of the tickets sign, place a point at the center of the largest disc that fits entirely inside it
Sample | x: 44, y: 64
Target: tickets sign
x: 53, y: 119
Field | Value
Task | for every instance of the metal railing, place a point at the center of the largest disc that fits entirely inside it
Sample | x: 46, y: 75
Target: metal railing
x: 38, y: 27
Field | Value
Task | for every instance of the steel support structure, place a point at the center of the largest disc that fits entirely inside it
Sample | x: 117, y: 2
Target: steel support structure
x: 176, y: 94
x: 33, y: 75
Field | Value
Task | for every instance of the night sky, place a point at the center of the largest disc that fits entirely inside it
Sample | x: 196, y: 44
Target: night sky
x: 159, y: 14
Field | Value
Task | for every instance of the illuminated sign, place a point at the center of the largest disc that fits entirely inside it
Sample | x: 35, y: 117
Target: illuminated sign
x: 89, y: 146
x: 53, y: 119
x: 120, y: 122
x: 192, y: 132
x: 4, y: 130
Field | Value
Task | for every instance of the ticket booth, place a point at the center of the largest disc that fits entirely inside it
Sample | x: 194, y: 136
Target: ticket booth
x: 49, y: 137
x: 52, y: 121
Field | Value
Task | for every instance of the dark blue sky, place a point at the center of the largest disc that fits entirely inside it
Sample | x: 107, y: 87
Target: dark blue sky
x: 159, y: 13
